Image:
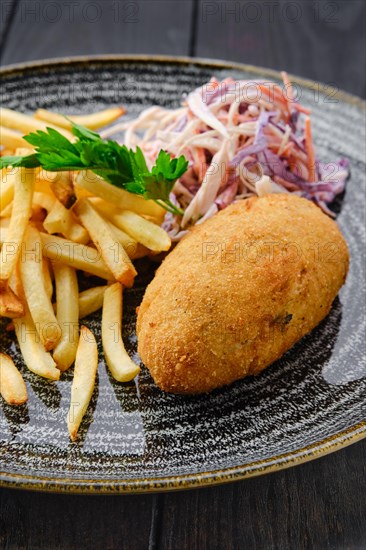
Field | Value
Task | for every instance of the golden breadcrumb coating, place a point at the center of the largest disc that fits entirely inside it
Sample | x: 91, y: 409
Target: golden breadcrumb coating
x: 238, y: 291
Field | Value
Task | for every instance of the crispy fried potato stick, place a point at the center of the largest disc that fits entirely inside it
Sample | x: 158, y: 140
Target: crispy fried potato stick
x: 6, y: 213
x: 6, y: 188
x: 37, y: 359
x: 4, y: 227
x: 63, y: 188
x: 15, y: 283
x: 26, y: 124
x: 92, y: 121
x: 75, y: 255
x: 86, y: 365
x: 91, y: 300
x: 112, y: 194
x: 67, y: 313
x: 12, y: 386
x: 104, y: 239
x: 108, y: 210
x: 44, y: 200
x: 121, y: 366
x: 43, y: 186
x: 11, y: 139
x: 22, y: 207
x: 145, y: 232
x: 47, y: 278
x: 10, y: 305
x: 61, y: 220
x: 133, y: 248
x: 24, y: 151
x: 39, y: 303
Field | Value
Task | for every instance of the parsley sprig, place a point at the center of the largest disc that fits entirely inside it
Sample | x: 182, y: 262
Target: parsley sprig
x: 115, y: 163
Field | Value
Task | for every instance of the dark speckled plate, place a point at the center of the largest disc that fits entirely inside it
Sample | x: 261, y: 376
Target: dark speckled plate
x: 136, y: 438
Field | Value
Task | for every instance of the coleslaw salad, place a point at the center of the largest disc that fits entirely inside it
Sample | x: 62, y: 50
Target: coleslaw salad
x: 240, y: 138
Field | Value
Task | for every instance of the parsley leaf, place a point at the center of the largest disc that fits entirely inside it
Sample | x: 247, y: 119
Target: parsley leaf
x: 30, y: 161
x: 115, y: 163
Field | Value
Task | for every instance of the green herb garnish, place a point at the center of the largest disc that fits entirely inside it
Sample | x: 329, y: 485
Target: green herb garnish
x: 115, y: 163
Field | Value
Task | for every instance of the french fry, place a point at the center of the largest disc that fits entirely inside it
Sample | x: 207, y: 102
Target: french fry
x: 38, y: 215
x: 133, y: 248
x: 86, y: 365
x: 61, y: 220
x: 6, y: 188
x: 82, y: 193
x: 63, y: 188
x: 36, y: 358
x: 107, y: 210
x: 22, y: 206
x: 75, y: 255
x: 4, y: 231
x: 111, y: 250
x: 143, y: 231
x: 39, y: 303
x: 47, y: 278
x: 12, y: 386
x: 15, y: 283
x: 26, y: 124
x: 8, y: 177
x: 112, y: 194
x: 10, y: 305
x: 92, y: 121
x: 44, y: 200
x: 4, y: 227
x: 43, y: 186
x: 67, y: 313
x: 11, y: 139
x: 24, y: 151
x: 91, y: 300
x: 6, y: 213
x: 121, y: 366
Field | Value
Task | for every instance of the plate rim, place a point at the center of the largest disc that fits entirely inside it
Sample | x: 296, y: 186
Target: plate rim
x: 333, y: 443
x: 166, y: 59
x: 321, y: 448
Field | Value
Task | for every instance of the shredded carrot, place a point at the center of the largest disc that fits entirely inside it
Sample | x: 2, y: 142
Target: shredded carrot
x: 288, y: 149
x: 272, y: 93
x: 276, y: 94
x: 288, y: 86
x: 310, y: 151
x: 215, y: 82
x: 291, y: 101
x: 236, y: 119
x: 301, y: 109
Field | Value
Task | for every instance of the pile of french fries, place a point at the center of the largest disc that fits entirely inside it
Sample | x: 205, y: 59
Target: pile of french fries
x: 53, y: 225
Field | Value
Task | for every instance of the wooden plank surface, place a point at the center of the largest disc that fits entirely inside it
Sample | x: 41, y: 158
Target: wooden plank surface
x: 58, y: 28
x: 320, y: 505
x: 321, y: 40
x: 75, y: 522
x: 7, y: 10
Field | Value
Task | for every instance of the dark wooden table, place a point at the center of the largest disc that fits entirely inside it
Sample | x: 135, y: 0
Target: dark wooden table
x: 319, y: 505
